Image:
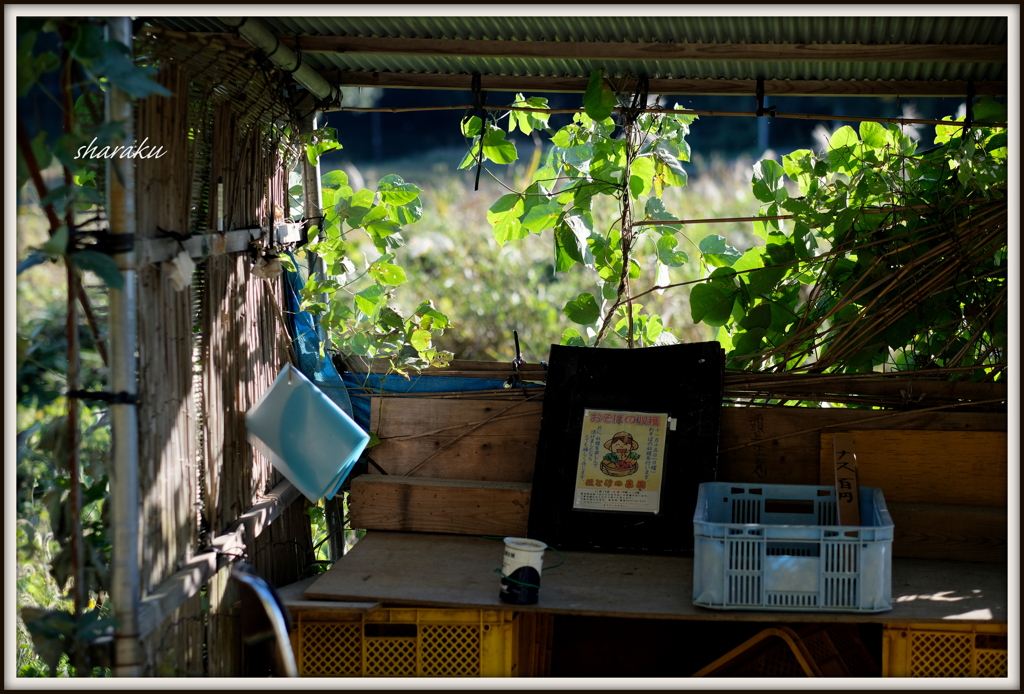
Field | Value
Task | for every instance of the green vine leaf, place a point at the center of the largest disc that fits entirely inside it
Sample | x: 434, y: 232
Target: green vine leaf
x: 497, y: 148
x: 874, y: 134
x: 640, y: 176
x: 599, y: 98
x: 669, y: 169
x: 371, y: 300
x: 710, y: 305
x: 504, y: 218
x: 420, y: 340
x: 667, y: 253
x: 542, y: 216
x: 768, y: 182
x: 842, y: 150
x: 758, y: 317
x: 394, y: 190
x: 583, y: 309
x: 717, y: 252
x: 572, y: 338
x: 387, y: 273
x: 528, y: 121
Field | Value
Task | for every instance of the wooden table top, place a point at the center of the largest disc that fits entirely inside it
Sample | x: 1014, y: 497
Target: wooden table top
x: 456, y: 571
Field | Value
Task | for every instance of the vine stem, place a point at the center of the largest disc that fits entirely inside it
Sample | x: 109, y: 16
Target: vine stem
x: 623, y: 293
x: 75, y: 491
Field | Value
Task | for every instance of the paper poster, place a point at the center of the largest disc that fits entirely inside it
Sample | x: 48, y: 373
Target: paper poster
x: 621, y: 459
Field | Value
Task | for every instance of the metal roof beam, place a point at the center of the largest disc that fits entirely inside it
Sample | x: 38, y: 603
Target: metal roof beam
x: 593, y: 50
x: 498, y: 83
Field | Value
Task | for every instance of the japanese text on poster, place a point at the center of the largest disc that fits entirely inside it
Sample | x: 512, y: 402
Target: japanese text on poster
x: 621, y: 460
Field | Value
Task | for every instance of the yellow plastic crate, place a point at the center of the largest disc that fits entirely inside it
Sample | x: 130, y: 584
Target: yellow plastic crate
x: 944, y: 650
x: 408, y: 642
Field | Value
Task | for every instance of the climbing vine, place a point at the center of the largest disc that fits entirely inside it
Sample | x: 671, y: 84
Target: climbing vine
x: 871, y: 253
x: 888, y: 257
x: 355, y: 304
x: 630, y: 163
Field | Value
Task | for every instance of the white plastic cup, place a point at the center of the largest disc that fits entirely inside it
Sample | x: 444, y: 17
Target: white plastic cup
x: 520, y: 571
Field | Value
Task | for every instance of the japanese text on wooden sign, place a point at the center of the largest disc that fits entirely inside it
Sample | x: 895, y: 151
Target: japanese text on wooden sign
x: 847, y: 484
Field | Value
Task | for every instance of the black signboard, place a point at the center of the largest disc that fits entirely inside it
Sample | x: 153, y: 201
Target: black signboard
x: 627, y: 436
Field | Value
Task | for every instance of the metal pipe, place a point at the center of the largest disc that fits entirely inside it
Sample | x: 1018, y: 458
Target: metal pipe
x: 256, y: 32
x: 124, y: 482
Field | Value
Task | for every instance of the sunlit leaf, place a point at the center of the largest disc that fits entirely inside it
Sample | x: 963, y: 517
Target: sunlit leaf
x: 599, y: 98
x: 583, y: 309
x: 708, y: 304
x: 395, y: 191
x: 717, y: 252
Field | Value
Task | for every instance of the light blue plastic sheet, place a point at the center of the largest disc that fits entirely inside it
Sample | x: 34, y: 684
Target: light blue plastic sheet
x: 306, y: 436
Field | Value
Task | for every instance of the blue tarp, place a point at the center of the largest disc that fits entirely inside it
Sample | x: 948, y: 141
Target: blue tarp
x: 361, y: 385
x: 352, y: 391
x: 306, y: 340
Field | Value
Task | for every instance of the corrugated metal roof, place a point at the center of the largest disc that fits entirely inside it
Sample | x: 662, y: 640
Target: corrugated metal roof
x: 768, y: 29
x: 682, y: 30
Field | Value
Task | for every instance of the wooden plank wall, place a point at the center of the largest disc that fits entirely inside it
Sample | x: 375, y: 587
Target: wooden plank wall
x: 946, y: 491
x: 167, y: 410
x: 432, y: 447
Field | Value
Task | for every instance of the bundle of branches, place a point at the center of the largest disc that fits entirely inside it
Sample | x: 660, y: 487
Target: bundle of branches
x: 895, y: 262
x: 923, y: 390
x: 930, y: 289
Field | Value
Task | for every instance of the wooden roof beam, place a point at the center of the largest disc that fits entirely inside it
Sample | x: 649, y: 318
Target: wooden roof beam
x: 903, y: 88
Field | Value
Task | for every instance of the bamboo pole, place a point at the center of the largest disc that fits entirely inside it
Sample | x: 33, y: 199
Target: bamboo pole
x: 124, y: 485
x: 255, y: 32
x: 670, y: 111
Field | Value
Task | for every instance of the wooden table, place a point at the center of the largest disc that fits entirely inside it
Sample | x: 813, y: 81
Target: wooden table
x: 455, y: 571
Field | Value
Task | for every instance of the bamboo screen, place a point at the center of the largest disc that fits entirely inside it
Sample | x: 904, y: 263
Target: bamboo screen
x: 206, y: 353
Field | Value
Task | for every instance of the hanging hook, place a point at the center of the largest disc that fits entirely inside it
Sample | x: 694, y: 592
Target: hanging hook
x: 479, y: 99
x: 969, y: 117
x: 639, y: 103
x: 515, y: 380
x: 761, y: 110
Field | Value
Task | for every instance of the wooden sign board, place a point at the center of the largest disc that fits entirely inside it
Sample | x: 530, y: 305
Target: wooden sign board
x: 844, y: 455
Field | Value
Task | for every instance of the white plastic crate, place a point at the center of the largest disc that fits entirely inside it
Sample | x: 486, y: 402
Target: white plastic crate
x: 779, y: 547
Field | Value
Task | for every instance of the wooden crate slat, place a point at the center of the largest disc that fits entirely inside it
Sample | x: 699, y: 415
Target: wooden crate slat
x: 391, y: 417
x: 503, y: 458
x: 459, y: 439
